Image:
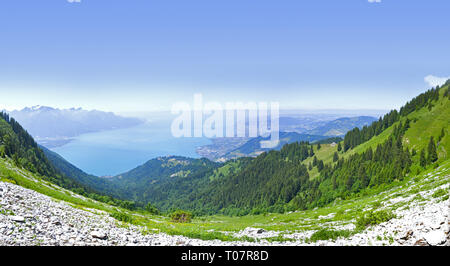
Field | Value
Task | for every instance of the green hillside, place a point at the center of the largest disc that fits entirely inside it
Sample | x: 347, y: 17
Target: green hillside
x: 430, y: 120
x: 424, y: 123
x: 162, y: 180
x: 17, y: 144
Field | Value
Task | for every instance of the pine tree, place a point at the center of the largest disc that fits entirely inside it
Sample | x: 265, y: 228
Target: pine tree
x: 423, y: 160
x: 432, y: 154
x: 441, y: 135
x: 362, y: 175
x: 339, y: 148
x: 311, y: 151
x: 318, y: 146
x: 320, y: 165
x: 335, y: 157
x: 349, y: 182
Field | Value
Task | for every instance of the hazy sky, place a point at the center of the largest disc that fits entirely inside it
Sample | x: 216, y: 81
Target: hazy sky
x: 142, y: 55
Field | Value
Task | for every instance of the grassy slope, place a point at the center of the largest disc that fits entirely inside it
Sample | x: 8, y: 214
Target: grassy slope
x: 429, y: 123
x: 11, y: 173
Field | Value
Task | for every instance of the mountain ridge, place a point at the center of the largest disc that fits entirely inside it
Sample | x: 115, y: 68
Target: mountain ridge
x: 53, y: 127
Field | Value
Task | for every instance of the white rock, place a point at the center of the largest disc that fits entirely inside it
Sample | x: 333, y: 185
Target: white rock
x: 19, y: 219
x: 99, y: 235
x: 436, y: 237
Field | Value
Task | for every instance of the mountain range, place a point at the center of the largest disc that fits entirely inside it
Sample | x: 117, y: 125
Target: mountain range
x: 311, y: 128
x: 52, y: 127
x: 340, y: 126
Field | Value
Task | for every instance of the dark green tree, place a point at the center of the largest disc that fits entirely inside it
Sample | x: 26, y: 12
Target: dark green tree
x: 432, y: 154
x: 335, y: 157
x: 423, y: 160
x: 315, y: 161
x: 320, y: 165
x: 151, y: 209
x: 442, y: 134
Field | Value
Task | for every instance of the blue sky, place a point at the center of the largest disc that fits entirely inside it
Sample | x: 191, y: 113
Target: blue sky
x: 144, y: 55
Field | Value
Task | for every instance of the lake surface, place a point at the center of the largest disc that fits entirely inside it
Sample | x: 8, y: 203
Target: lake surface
x: 116, y: 151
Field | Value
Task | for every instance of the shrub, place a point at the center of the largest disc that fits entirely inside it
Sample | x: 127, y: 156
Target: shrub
x: 327, y: 234
x: 373, y: 218
x: 2, y: 151
x: 181, y: 216
x: 152, y: 209
x: 439, y: 193
x: 121, y: 216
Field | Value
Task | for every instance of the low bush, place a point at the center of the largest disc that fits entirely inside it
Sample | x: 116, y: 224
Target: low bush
x: 181, y: 216
x: 328, y: 234
x: 373, y: 218
x: 152, y: 209
x: 439, y: 193
x: 121, y: 216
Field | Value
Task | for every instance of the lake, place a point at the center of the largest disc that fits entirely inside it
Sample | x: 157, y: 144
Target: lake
x: 116, y: 151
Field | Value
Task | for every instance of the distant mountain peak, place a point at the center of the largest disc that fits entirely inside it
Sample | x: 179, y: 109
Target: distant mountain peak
x: 52, y: 127
x: 36, y: 108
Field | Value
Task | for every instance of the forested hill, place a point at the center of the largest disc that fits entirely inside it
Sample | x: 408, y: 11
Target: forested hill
x: 17, y: 144
x: 141, y: 183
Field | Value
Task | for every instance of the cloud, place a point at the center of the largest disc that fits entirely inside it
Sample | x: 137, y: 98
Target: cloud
x: 374, y: 1
x: 434, y: 81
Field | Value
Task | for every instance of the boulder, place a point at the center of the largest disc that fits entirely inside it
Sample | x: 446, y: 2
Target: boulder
x: 435, y: 238
x: 19, y: 219
x: 260, y: 231
x: 99, y: 235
